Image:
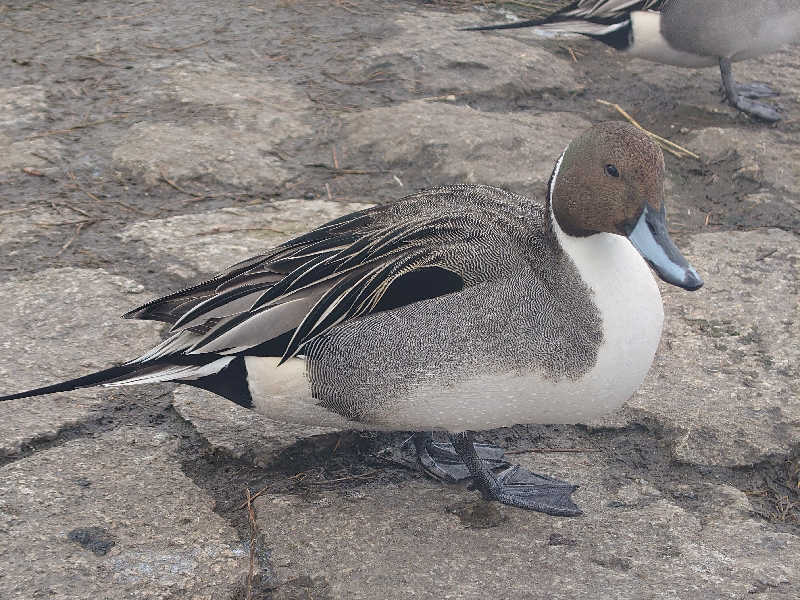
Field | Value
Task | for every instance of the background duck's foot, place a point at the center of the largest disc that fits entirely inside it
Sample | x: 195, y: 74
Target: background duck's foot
x: 441, y: 461
x: 759, y: 110
x: 739, y: 98
x: 756, y: 89
x: 515, y: 486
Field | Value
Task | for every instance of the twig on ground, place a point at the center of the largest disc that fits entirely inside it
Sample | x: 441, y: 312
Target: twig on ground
x: 74, y: 179
x: 349, y: 478
x: 17, y: 29
x: 74, y: 237
x: 74, y: 127
x: 127, y: 206
x: 251, y: 516
x: 16, y: 210
x: 343, y: 171
x: 175, y: 186
x: 62, y: 223
x: 99, y: 60
x: 370, y: 79
x: 135, y: 16
x: 216, y: 230
x: 348, y: 7
x: 666, y: 144
x: 572, y: 54
x: 548, y: 450
x: 448, y: 98
x: 177, y: 48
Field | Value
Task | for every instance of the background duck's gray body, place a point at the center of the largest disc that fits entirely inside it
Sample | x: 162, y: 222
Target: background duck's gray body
x: 524, y: 341
x: 702, y: 32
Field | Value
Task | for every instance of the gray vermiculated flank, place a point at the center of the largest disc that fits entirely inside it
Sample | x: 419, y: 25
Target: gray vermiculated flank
x: 737, y: 23
x: 524, y: 308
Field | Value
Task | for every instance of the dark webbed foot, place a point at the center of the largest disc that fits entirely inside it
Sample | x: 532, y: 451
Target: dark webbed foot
x: 756, y: 89
x: 741, y: 97
x: 440, y: 460
x: 516, y: 486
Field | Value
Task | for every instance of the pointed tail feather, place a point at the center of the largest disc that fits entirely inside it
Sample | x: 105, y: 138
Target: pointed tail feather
x: 514, y: 25
x: 135, y: 373
x: 98, y: 378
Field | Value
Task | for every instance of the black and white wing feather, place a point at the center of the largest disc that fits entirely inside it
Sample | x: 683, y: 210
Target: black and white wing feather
x: 274, y: 304
x: 595, y: 18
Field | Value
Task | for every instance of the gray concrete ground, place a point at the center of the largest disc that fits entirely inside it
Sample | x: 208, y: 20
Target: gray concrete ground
x: 144, y: 146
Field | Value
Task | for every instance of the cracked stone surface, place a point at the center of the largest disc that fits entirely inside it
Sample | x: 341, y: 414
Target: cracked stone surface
x: 430, y: 54
x: 238, y: 150
x: 51, y: 315
x: 634, y: 542
x: 178, y: 152
x: 237, y: 431
x: 22, y: 107
x: 71, y: 531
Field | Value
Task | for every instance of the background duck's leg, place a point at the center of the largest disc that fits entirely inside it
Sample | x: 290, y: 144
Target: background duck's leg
x: 516, y: 486
x: 441, y: 461
x: 739, y: 100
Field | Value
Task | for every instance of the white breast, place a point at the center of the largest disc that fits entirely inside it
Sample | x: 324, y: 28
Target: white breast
x: 629, y: 302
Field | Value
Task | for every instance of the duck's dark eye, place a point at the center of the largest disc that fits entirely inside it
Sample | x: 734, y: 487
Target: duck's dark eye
x: 612, y: 170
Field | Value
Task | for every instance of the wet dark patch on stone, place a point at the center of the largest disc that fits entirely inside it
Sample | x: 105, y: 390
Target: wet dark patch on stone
x: 556, y: 539
x: 610, y: 561
x: 95, y: 539
x: 478, y: 514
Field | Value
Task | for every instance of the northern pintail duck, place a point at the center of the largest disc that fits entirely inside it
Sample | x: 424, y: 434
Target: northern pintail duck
x: 686, y: 33
x: 459, y: 308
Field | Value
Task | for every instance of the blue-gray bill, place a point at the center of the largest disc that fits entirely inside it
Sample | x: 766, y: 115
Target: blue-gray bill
x: 651, y: 238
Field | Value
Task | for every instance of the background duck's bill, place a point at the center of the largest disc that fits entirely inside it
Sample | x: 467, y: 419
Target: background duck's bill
x: 651, y: 238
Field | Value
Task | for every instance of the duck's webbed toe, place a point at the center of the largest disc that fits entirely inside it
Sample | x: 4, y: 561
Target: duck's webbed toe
x: 756, y: 89
x: 515, y: 486
x: 441, y: 461
x: 519, y: 487
x: 741, y: 97
x: 762, y: 111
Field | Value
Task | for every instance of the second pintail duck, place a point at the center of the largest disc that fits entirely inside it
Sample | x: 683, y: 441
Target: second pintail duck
x: 686, y: 33
x: 459, y: 308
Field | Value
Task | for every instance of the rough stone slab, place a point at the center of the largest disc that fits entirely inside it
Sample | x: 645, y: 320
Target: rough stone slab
x: 226, y: 154
x: 430, y: 54
x: 58, y: 324
x: 113, y: 517
x: 21, y: 105
x: 240, y: 150
x: 241, y: 433
x: 210, y: 241
x: 466, y: 145
x: 633, y: 542
x: 21, y: 154
x: 267, y: 104
x: 766, y: 156
x: 726, y: 378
